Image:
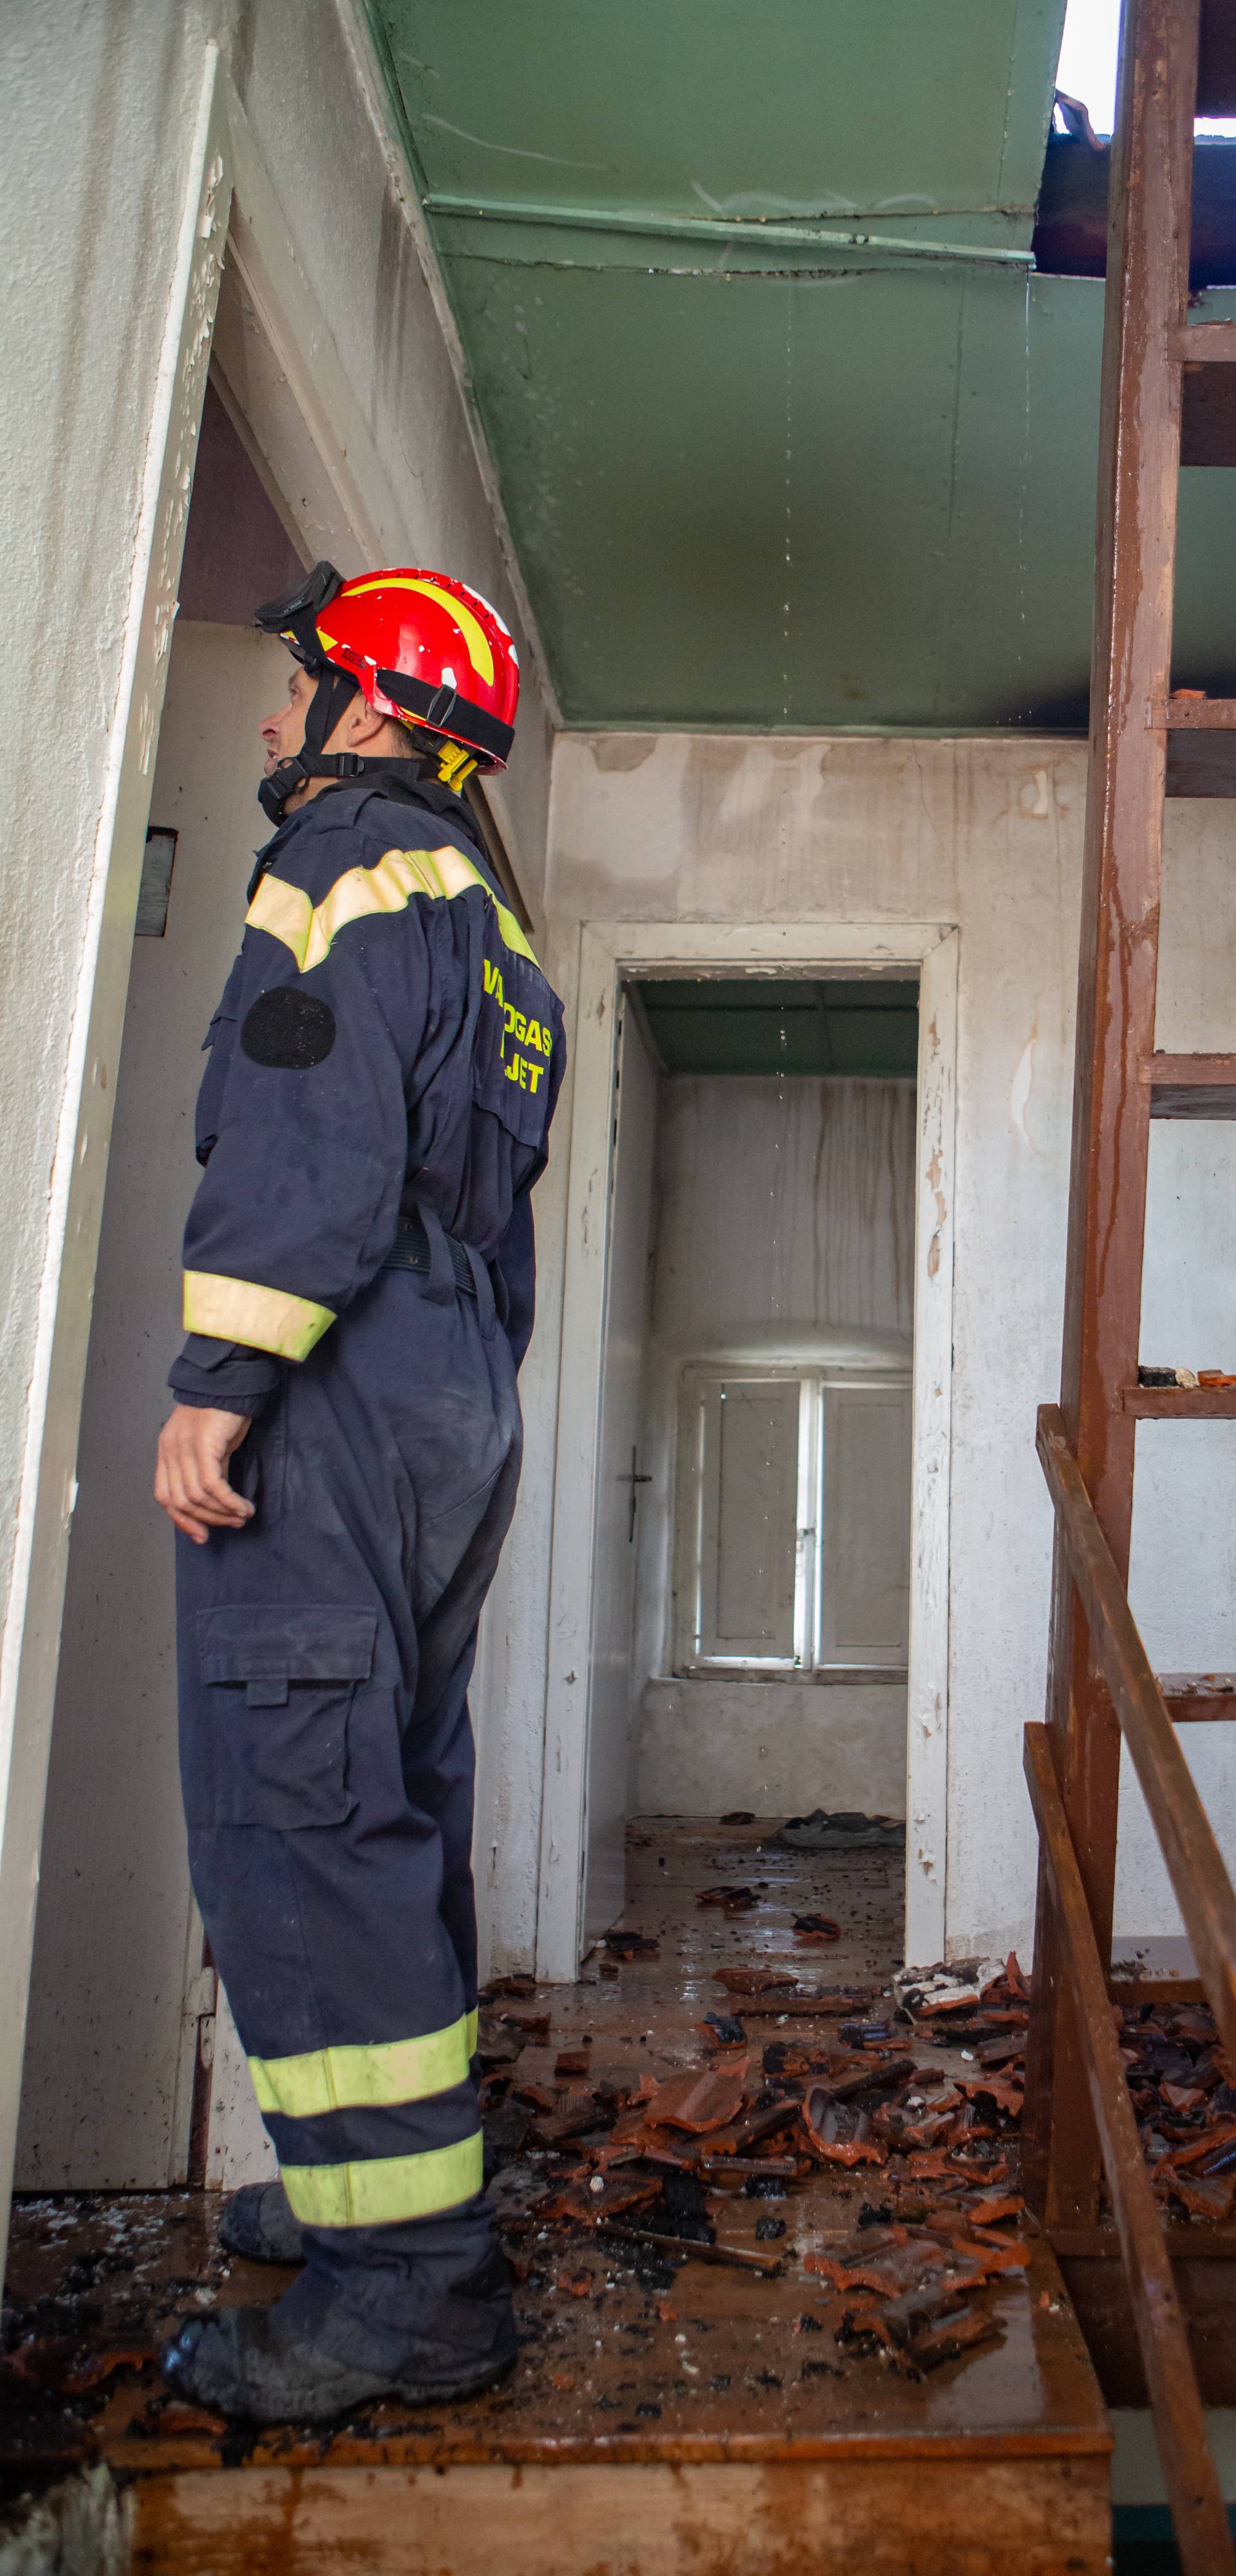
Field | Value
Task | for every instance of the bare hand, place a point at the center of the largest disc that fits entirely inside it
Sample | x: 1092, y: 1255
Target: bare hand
x: 191, y: 1475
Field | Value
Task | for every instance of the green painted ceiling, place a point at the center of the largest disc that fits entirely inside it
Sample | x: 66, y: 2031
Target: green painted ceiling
x: 753, y: 1026
x: 787, y: 432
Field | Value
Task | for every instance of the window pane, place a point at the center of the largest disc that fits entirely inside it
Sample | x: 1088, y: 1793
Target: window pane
x: 867, y: 1524
x: 750, y: 1518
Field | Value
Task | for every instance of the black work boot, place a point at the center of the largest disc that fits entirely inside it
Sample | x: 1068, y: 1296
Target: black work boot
x: 258, y: 2224
x: 265, y: 2365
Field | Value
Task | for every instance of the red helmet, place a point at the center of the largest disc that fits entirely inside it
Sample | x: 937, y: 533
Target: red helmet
x: 420, y: 645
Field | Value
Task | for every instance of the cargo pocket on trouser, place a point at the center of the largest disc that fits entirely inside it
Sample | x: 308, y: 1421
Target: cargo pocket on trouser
x: 275, y: 1691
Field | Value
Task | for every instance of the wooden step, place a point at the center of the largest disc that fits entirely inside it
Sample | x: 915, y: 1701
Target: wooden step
x: 1181, y: 1403
x: 889, y: 2516
x: 1193, y: 1086
x: 1199, y: 1699
x: 1207, y: 355
x: 1201, y: 746
x: 1201, y: 738
x: 1203, y: 2261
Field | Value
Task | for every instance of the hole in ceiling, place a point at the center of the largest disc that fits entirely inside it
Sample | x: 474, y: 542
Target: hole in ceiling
x: 1070, y: 235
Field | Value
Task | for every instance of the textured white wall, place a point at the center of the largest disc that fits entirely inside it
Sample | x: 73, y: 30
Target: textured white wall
x: 779, y: 1748
x: 987, y: 834
x: 786, y: 1205
x: 99, y: 112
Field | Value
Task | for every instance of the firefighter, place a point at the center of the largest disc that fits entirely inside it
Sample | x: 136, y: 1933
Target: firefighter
x: 341, y: 1466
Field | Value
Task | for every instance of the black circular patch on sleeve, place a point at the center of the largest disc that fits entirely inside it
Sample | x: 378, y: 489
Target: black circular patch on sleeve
x: 290, y: 1029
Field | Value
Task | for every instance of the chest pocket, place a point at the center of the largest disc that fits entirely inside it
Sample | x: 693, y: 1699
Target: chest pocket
x: 519, y: 1027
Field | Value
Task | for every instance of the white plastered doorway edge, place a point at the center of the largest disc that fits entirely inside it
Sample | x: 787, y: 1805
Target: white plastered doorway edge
x: 306, y: 425
x: 609, y: 953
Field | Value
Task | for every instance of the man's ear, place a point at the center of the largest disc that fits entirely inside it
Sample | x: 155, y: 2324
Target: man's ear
x: 360, y: 724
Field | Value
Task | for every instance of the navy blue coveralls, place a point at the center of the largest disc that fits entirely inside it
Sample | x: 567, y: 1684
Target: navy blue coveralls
x: 383, y: 1069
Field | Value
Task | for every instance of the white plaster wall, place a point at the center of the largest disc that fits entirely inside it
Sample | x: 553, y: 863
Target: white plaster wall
x: 98, y: 118
x: 777, y: 1747
x: 987, y: 834
x: 785, y: 1205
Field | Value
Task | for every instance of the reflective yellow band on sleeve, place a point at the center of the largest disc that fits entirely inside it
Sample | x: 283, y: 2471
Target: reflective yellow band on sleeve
x: 387, y: 2072
x: 285, y: 911
x: 381, y: 2190
x: 309, y: 930
x: 241, y: 1310
x: 473, y: 2025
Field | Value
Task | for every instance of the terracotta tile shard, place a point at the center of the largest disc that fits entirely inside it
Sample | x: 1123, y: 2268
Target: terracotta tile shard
x: 1183, y: 2097
x: 929, y: 2168
x: 953, y: 2336
x: 1202, y: 2199
x: 573, y: 2061
x: 732, y: 1900
x: 839, y: 2134
x: 699, y: 2100
x: 992, y: 2088
x: 818, y: 1929
x: 631, y: 1945
x: 989, y: 2213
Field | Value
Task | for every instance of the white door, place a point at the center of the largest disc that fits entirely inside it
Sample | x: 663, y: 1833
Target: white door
x: 613, y: 1607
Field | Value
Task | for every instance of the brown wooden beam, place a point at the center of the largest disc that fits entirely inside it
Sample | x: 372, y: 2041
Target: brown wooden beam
x: 1192, y: 1086
x: 1198, y: 2510
x: 1139, y: 451
x: 1180, y: 1403
x: 1205, y: 344
x: 1185, y: 1834
x: 1199, y: 1699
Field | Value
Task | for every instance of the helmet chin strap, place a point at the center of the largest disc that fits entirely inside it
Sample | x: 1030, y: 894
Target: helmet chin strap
x: 331, y: 700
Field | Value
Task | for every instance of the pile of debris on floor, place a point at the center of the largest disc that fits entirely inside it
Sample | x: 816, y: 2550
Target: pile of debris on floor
x: 914, y: 2098
x: 1185, y: 2102
x: 795, y: 2087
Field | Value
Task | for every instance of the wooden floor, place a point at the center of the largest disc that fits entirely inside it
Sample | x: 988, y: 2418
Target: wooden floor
x: 671, y: 2418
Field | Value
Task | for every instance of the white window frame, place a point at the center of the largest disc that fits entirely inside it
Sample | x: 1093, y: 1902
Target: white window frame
x: 690, y: 1654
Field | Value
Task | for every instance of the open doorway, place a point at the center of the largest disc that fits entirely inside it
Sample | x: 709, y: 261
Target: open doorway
x: 752, y: 1570
x: 122, y: 2003
x: 742, y: 1291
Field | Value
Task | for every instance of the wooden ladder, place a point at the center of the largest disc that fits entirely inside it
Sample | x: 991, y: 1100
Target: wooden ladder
x: 1168, y: 397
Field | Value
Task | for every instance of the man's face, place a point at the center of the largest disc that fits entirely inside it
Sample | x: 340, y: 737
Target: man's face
x: 283, y: 735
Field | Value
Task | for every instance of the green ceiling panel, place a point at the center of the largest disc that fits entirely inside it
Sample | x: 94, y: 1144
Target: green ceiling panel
x: 779, y: 478
x: 711, y: 1026
x: 712, y: 107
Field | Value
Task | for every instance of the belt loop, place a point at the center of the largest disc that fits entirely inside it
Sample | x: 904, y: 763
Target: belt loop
x: 484, y: 1286
x: 441, y: 1286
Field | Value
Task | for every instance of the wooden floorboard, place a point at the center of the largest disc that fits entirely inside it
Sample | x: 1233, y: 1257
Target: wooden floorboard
x: 624, y: 2383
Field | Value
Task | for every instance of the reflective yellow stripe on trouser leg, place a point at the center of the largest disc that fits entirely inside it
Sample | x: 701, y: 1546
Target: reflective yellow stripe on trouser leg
x: 378, y: 2076
x: 378, y: 2191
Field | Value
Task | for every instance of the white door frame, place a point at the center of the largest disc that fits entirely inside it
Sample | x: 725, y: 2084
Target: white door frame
x: 45, y: 1505
x: 609, y: 952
